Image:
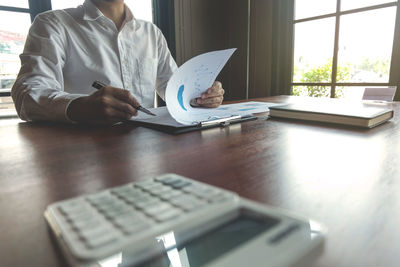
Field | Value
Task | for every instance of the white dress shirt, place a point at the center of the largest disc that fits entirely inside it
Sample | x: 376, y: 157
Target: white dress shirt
x: 66, y: 50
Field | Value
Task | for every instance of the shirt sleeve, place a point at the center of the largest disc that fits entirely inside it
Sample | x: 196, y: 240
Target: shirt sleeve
x: 38, y: 92
x: 166, y: 66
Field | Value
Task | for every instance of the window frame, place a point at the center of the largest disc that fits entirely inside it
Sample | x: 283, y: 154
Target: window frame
x: 35, y: 7
x: 394, y: 78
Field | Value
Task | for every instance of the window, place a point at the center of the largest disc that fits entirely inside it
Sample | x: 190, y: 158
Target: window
x: 141, y: 9
x: 342, y: 46
x: 12, y: 40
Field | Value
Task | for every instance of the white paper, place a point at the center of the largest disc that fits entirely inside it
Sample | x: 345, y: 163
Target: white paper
x: 382, y: 94
x: 164, y: 118
x: 189, y: 82
x: 192, y: 79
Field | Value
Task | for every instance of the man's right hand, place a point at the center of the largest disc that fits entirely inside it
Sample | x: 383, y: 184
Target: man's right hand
x: 108, y: 105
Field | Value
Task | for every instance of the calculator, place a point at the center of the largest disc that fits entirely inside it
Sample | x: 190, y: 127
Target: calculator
x: 171, y: 220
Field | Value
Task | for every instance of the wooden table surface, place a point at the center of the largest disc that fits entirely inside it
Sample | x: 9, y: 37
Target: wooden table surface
x: 346, y: 178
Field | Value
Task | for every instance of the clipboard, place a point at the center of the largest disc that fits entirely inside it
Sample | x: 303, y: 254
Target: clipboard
x: 202, y: 125
x: 222, y: 116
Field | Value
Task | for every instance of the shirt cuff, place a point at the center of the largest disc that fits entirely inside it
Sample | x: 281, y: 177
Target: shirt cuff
x: 70, y: 98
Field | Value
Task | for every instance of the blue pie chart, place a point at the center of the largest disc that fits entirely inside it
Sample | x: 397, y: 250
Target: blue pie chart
x: 180, y: 96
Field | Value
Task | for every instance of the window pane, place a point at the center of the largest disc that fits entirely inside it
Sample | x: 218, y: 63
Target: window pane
x: 311, y: 8
x: 15, y: 3
x: 313, y: 50
x: 365, y: 46
x: 141, y: 9
x: 314, y: 90
x: 350, y: 92
x: 352, y: 4
x: 62, y: 4
x: 12, y: 40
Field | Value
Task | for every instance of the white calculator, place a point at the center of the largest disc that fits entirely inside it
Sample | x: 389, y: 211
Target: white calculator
x: 170, y: 220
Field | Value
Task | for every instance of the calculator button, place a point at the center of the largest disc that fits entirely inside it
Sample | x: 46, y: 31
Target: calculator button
x: 133, y: 194
x: 92, y: 233
x: 128, y: 193
x: 159, y: 189
x: 187, y: 202
x: 100, y: 241
x: 134, y: 197
x: 75, y: 207
x: 84, y: 216
x: 123, y: 189
x: 87, y: 224
x: 167, y: 179
x: 221, y: 197
x: 134, y: 228
x: 192, y: 206
x: 158, y: 208
x: 170, y: 194
x: 103, y: 200
x: 201, y: 191
x: 143, y: 198
x: 131, y: 224
x: 168, y: 215
x: 97, y: 240
x: 111, y: 213
x: 127, y: 218
x: 146, y: 184
x: 179, y: 183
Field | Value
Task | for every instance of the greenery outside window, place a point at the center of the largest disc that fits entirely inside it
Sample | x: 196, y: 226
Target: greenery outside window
x: 343, y: 46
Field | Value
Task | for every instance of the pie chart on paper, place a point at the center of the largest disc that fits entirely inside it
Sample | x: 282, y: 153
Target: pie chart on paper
x: 180, y: 97
x: 189, y: 81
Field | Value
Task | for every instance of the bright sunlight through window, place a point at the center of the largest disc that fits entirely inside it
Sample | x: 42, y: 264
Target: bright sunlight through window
x: 341, y: 46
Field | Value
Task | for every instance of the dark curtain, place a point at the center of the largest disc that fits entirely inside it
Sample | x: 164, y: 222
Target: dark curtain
x: 282, y: 47
x: 395, y: 64
x: 38, y: 6
x: 271, y: 47
x: 164, y: 18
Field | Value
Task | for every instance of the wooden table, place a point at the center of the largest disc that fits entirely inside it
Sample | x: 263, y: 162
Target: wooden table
x: 346, y: 178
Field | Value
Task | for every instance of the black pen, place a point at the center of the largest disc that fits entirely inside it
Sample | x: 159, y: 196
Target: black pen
x: 98, y: 85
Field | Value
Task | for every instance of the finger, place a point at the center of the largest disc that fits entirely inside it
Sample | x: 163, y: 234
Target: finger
x: 210, y: 101
x: 123, y: 95
x: 110, y: 101
x: 114, y: 115
x: 124, y: 107
x: 217, y: 84
x: 213, y: 92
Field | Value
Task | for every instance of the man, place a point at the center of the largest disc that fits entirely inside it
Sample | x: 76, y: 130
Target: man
x: 66, y: 50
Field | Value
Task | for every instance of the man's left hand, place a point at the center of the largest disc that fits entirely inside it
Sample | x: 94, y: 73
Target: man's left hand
x: 213, y: 97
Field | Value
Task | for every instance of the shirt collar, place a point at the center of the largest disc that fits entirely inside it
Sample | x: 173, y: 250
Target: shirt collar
x: 91, y: 12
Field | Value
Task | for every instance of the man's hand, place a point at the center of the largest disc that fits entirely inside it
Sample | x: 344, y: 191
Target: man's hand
x: 107, y: 105
x: 213, y: 97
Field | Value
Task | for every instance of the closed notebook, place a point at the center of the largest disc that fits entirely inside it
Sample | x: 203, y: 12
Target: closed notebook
x: 334, y: 112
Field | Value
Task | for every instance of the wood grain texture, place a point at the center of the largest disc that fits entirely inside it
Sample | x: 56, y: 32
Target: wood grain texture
x: 345, y: 178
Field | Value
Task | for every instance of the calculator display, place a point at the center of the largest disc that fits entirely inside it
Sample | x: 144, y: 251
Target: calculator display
x: 209, y: 246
